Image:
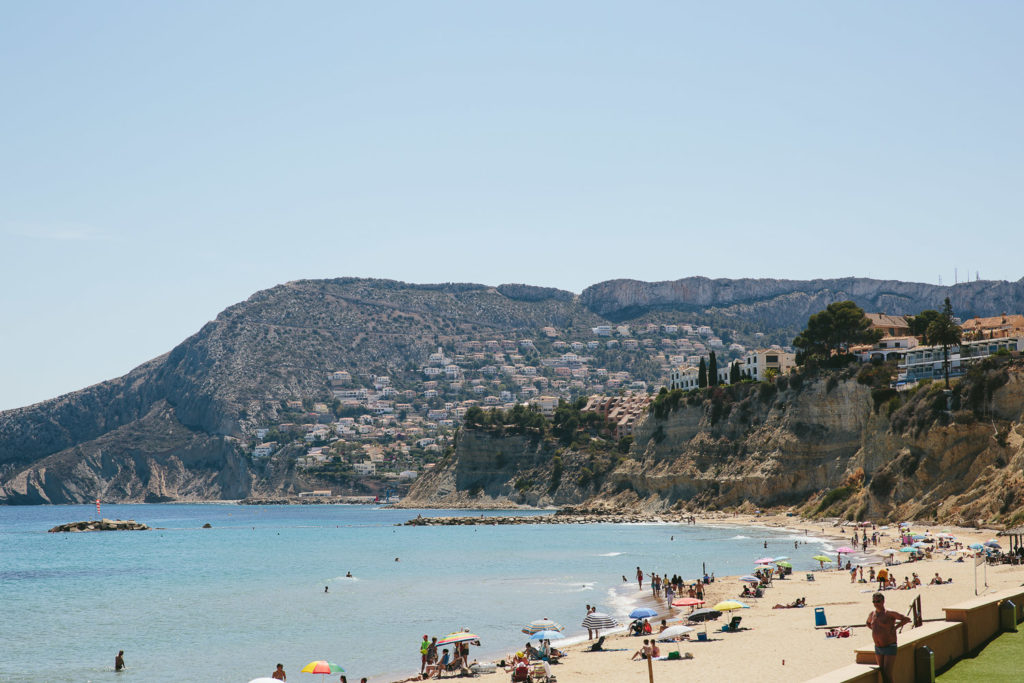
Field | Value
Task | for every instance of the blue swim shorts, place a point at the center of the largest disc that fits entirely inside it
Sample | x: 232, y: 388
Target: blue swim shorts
x: 887, y: 650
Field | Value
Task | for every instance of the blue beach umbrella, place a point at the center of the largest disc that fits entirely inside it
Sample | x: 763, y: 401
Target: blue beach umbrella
x: 643, y: 613
x: 750, y: 579
x: 547, y: 635
x: 975, y: 546
x: 908, y: 549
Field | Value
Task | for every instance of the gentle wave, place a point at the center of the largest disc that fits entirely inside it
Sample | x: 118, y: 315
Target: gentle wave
x: 610, y: 554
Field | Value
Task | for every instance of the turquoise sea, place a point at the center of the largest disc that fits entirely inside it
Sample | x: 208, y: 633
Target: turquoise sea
x: 228, y: 603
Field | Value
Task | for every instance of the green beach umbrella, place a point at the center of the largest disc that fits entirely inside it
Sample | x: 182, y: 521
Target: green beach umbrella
x: 822, y: 558
x: 787, y: 565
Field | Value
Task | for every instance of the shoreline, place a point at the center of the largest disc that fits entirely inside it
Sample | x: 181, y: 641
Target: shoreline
x: 786, y: 642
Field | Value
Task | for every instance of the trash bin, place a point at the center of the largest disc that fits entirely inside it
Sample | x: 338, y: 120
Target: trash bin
x: 924, y: 665
x: 819, y: 617
x: 1008, y: 616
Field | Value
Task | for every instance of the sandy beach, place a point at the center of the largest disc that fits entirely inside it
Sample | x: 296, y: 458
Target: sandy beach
x: 783, y: 644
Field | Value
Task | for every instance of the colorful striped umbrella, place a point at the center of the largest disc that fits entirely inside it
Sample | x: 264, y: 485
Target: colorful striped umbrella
x: 764, y: 560
x: 544, y: 624
x: 457, y: 637
x: 323, y: 667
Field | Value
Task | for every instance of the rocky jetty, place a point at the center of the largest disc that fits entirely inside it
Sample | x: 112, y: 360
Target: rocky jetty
x: 101, y: 525
x: 560, y: 517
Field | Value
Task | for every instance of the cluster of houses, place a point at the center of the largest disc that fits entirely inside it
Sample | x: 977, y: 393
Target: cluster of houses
x: 980, y: 338
x: 400, y: 423
x: 401, y: 429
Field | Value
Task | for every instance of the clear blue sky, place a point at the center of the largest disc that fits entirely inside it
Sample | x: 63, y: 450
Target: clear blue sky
x: 161, y: 161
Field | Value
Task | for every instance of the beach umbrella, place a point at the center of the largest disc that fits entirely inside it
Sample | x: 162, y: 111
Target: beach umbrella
x: 704, y: 615
x: 764, y: 560
x: 457, y: 637
x: 976, y: 546
x: 845, y: 549
x: 322, y: 667
x: 686, y: 602
x: 643, y: 613
x: 750, y: 579
x: 889, y: 552
x: 992, y: 543
x: 598, y: 620
x: 919, y: 544
x: 908, y: 549
x: 785, y: 564
x: 729, y: 605
x: 780, y: 557
x: 673, y: 632
x: 544, y: 624
x: 547, y: 635
x: 822, y: 558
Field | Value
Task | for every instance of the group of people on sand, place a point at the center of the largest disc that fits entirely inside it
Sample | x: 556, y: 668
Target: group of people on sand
x: 674, y: 587
x: 433, y: 664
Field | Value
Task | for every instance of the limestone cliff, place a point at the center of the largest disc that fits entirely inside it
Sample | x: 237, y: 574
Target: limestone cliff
x: 828, y: 445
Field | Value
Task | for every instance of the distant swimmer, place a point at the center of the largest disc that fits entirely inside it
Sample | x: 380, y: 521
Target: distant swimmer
x: 348, y: 575
x: 279, y: 674
x: 396, y: 559
x: 325, y: 589
x: 119, y: 661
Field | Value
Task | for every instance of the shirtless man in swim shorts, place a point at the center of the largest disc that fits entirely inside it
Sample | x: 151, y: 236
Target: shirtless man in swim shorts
x: 883, y: 624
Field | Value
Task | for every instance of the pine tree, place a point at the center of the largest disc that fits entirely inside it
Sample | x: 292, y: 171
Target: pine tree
x: 702, y: 374
x: 713, y: 370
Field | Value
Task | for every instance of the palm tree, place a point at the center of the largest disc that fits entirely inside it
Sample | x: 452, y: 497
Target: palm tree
x: 944, y: 332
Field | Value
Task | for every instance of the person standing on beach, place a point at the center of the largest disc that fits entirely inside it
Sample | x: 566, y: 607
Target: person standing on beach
x: 640, y: 578
x: 119, y: 661
x: 424, y: 649
x: 883, y: 624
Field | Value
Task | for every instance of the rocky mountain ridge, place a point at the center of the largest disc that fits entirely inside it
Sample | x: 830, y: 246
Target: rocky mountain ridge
x: 167, y: 430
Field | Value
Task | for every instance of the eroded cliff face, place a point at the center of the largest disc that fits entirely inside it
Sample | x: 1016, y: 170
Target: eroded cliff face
x: 824, y: 447
x: 499, y: 471
x: 153, y: 459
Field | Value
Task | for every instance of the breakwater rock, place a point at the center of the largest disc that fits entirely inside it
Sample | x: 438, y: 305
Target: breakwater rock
x: 101, y: 525
x: 560, y: 517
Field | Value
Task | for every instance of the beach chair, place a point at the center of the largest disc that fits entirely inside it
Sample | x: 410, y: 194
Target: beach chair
x: 521, y: 674
x: 539, y: 673
x: 733, y: 625
x: 810, y: 576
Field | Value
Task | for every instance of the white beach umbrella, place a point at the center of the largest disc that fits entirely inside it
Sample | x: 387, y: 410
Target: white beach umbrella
x: 674, y: 632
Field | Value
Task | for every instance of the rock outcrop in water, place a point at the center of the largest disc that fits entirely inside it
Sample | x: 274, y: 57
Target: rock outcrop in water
x: 101, y: 525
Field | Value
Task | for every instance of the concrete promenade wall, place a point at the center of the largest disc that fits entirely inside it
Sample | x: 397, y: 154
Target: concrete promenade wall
x: 968, y: 625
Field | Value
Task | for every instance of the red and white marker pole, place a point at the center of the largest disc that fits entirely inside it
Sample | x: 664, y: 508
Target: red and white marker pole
x: 97, y: 506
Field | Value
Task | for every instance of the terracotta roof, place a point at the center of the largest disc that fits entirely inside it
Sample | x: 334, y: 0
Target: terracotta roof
x: 883, y: 320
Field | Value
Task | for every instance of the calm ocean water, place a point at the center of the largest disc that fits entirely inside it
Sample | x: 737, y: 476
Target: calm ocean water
x: 228, y: 603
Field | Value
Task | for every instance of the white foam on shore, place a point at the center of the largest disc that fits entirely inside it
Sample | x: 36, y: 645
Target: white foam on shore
x: 610, y: 554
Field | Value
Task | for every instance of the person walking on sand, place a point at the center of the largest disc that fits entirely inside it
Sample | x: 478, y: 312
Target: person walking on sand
x: 640, y: 578
x: 279, y: 674
x: 119, y: 661
x: 883, y: 624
